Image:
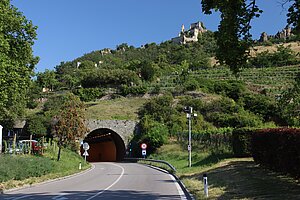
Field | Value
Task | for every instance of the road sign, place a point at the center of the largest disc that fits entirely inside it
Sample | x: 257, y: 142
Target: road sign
x: 144, y: 146
x: 189, y: 148
x: 85, y: 153
x: 144, y: 152
x: 86, y: 146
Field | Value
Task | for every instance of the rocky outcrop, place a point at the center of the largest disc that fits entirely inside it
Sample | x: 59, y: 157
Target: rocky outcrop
x: 284, y: 34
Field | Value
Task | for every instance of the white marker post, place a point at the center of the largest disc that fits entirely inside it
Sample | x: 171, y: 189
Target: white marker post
x: 205, y: 183
x: 1, y: 127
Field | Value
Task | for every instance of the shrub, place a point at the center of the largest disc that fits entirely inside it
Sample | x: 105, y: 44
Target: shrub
x: 89, y: 94
x: 241, y: 142
x: 278, y: 149
x: 134, y: 90
x: 232, y: 89
x: 259, y: 104
x: 191, y: 85
x: 156, y: 136
x: 32, y: 104
x: 105, y: 77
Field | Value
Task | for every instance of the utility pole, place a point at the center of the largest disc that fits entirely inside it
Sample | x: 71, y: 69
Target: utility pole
x: 189, y: 115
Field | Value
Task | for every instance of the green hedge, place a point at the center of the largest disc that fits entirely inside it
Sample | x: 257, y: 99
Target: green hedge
x: 241, y: 142
x: 89, y: 94
x: 278, y: 149
x: 134, y: 90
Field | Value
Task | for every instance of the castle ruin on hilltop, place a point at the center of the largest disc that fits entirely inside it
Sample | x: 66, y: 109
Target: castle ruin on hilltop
x: 190, y: 35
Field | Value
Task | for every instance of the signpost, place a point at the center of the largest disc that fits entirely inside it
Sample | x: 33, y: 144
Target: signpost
x: 144, y: 147
x: 85, y: 147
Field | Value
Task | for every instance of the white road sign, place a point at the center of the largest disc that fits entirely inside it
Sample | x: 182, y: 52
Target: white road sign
x: 144, y: 152
x: 85, y: 153
x: 86, y: 146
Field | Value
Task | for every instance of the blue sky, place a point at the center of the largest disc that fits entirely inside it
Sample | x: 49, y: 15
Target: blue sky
x: 68, y: 29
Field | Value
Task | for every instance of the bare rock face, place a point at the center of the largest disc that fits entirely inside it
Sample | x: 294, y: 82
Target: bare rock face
x: 263, y: 37
x: 284, y: 34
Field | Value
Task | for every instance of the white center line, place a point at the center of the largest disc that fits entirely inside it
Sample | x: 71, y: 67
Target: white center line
x: 116, y: 181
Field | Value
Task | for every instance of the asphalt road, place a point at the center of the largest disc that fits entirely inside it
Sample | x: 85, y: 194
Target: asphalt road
x: 106, y: 181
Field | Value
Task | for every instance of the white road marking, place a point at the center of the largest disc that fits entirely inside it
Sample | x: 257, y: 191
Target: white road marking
x: 180, y: 191
x: 51, y: 181
x: 116, y: 181
x: 60, y: 197
x: 22, y: 197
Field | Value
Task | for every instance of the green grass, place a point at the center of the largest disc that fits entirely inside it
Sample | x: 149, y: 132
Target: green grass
x: 228, y: 178
x: 19, y: 170
x: 115, y: 109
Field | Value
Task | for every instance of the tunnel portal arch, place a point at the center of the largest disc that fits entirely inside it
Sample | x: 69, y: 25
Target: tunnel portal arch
x: 105, y: 146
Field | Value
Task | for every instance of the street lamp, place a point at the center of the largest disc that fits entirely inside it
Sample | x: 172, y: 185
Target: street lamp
x: 189, y: 116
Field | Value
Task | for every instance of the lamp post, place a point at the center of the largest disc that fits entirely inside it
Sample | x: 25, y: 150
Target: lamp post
x: 189, y: 116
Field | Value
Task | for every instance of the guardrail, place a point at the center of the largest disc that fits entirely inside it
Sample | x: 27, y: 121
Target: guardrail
x: 173, y: 169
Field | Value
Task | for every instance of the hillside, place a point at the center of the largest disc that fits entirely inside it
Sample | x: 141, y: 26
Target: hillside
x: 126, y: 82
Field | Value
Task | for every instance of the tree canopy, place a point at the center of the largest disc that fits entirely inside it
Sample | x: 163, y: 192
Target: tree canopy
x: 233, y: 35
x: 69, y: 123
x: 17, y: 35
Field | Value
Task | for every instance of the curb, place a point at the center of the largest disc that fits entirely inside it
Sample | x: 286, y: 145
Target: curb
x: 185, y: 190
x: 47, y: 181
x: 187, y: 193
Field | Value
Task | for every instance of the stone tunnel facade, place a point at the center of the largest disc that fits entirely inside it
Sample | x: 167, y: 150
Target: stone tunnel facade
x: 125, y: 128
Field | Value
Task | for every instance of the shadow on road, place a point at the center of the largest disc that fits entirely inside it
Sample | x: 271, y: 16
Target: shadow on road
x: 84, y: 195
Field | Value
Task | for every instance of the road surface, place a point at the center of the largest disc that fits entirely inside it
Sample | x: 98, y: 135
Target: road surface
x: 106, y: 181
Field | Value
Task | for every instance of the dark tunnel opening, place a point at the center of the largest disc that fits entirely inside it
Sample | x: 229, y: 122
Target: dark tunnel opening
x: 105, y: 146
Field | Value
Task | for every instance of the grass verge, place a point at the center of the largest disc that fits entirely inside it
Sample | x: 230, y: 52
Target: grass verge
x: 228, y: 178
x: 115, y: 109
x: 21, y: 170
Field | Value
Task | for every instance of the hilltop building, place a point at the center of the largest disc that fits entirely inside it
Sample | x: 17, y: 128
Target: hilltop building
x: 190, y: 35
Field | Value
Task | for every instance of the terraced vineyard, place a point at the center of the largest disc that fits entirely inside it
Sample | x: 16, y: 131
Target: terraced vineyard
x: 274, y: 79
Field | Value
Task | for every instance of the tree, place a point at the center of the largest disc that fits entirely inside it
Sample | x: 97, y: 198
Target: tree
x: 147, y: 70
x: 17, y: 35
x: 47, y: 79
x: 294, y: 16
x: 289, y: 104
x: 233, y: 35
x: 36, y: 125
x: 69, y: 124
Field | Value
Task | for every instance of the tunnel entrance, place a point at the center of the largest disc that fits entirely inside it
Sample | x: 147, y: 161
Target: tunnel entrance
x: 105, y: 146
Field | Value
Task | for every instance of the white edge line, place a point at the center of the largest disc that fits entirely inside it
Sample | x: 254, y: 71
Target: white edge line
x: 48, y: 182
x: 180, y: 191
x: 116, y: 181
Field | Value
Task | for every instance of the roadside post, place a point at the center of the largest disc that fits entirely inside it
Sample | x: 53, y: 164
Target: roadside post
x: 1, y: 127
x: 205, y: 184
x: 85, y: 147
x: 144, y: 151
